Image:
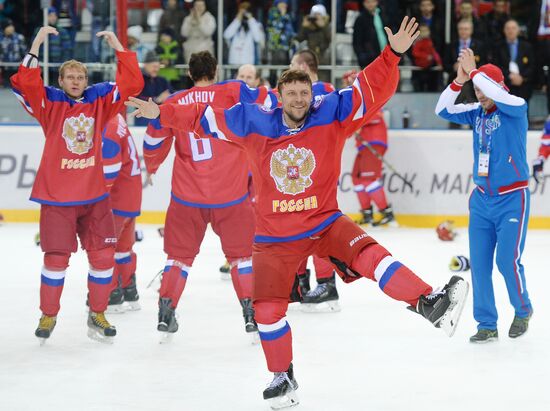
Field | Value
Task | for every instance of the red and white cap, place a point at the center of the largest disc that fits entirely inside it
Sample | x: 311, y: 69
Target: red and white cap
x: 494, y: 73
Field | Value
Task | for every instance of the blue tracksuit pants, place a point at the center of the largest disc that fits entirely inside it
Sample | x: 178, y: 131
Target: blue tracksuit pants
x: 498, y: 222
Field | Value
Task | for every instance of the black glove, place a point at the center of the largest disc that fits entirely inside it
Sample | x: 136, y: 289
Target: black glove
x: 538, y: 165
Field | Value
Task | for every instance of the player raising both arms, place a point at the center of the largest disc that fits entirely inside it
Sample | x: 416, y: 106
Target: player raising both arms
x: 69, y: 183
x: 295, y: 153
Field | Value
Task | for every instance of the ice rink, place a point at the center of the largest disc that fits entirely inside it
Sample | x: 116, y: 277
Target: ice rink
x: 374, y: 355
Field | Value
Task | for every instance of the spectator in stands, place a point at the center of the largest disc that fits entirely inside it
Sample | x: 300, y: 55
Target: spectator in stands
x: 494, y: 21
x: 466, y: 12
x: 172, y: 18
x: 156, y: 87
x: 427, y: 16
x: 59, y: 47
x: 427, y: 58
x: 12, y: 49
x: 279, y: 33
x: 245, y: 36
x: 465, y: 30
x: 249, y: 74
x: 101, y: 13
x: 67, y: 17
x: 134, y: 43
x: 197, y: 29
x: 515, y: 57
x: 315, y: 31
x: 169, y: 52
x: 369, y: 38
x: 540, y: 34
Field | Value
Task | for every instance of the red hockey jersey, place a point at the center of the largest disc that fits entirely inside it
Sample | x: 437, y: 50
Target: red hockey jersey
x: 373, y: 132
x: 295, y: 170
x: 70, y: 172
x: 207, y: 173
x: 121, y: 168
x: 544, y: 150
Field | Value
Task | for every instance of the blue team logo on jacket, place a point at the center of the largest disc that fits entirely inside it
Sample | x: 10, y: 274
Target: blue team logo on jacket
x: 489, y: 125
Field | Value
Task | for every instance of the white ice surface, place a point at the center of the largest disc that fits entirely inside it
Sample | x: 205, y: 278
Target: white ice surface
x: 374, y: 355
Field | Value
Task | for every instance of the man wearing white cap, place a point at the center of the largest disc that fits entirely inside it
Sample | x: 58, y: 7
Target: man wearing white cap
x: 315, y: 31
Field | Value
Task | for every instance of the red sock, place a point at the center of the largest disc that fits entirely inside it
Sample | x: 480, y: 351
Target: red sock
x: 275, y: 333
x: 364, y: 199
x: 323, y: 268
x: 99, y: 289
x: 125, y: 267
x: 394, y: 279
x: 51, y: 287
x: 173, y: 282
x: 379, y: 198
x: 242, y: 276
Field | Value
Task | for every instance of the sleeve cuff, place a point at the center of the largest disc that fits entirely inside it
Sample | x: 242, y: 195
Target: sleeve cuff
x: 456, y: 86
x: 393, y: 56
x: 473, y: 73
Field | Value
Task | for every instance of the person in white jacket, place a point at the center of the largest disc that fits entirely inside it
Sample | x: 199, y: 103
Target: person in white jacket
x: 197, y: 29
x: 245, y: 36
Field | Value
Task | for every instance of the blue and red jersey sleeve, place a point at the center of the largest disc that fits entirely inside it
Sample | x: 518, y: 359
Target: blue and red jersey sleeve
x: 157, y: 143
x: 544, y: 149
x: 28, y: 87
x: 111, y: 152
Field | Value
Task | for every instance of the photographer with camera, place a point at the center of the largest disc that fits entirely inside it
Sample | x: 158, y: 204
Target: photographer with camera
x: 245, y: 36
x: 315, y: 31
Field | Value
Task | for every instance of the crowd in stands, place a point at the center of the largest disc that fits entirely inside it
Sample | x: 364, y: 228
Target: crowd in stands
x: 513, y: 34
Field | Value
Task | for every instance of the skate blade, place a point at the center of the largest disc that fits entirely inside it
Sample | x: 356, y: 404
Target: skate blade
x: 295, y: 306
x: 165, y: 337
x: 457, y: 295
x: 97, y: 336
x: 488, y: 340
x: 132, y: 305
x: 42, y: 341
x: 115, y: 309
x: 324, y: 307
x: 290, y: 399
x: 254, y: 338
x: 225, y: 276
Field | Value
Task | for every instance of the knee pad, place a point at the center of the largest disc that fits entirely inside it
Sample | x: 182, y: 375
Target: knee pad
x: 56, y: 261
x: 270, y: 311
x: 102, y: 259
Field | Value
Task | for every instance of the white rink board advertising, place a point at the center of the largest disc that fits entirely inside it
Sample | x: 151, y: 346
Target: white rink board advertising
x: 436, y: 163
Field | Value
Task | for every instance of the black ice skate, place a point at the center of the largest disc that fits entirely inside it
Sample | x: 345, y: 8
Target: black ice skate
x: 387, y: 217
x: 131, y: 295
x: 443, y: 308
x: 366, y: 216
x: 99, y: 328
x: 167, y: 324
x: 249, y: 322
x: 484, y: 336
x: 281, y: 392
x: 45, y: 328
x: 295, y: 296
x: 519, y: 326
x: 116, y: 302
x: 300, y: 287
x: 323, y: 299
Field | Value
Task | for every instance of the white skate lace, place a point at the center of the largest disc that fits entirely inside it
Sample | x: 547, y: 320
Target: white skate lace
x: 280, y: 378
x: 436, y: 293
x: 320, y: 289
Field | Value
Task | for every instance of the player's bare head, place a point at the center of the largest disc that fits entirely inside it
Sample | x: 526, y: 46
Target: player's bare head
x: 248, y: 74
x: 294, y: 88
x: 73, y: 78
x: 305, y: 60
x: 202, y: 66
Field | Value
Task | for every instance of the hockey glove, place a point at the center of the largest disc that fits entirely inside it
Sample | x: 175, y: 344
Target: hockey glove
x: 459, y: 263
x: 538, y: 165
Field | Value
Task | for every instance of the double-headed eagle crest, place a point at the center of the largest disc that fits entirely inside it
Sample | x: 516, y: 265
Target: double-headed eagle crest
x: 291, y: 169
x: 78, y: 133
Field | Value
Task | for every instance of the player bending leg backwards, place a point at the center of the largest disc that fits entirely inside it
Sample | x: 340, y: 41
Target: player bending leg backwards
x: 296, y: 153
x: 69, y: 184
x: 209, y: 185
x: 122, y: 173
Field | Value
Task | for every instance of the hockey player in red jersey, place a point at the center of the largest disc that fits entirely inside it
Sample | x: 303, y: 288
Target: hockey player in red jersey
x: 122, y: 173
x: 371, y: 142
x: 69, y: 183
x: 295, y: 153
x: 209, y: 185
x: 544, y: 152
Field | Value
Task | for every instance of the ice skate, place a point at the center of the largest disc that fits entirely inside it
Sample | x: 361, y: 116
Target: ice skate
x: 116, y: 302
x: 388, y: 219
x: 281, y: 392
x: 366, y: 216
x: 131, y: 296
x: 295, y: 296
x: 99, y: 328
x: 250, y: 325
x: 45, y: 328
x: 519, y: 326
x: 323, y: 299
x: 167, y: 324
x: 225, y: 271
x: 484, y: 336
x: 443, y: 308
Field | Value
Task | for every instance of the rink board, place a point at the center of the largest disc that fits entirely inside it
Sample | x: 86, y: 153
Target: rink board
x: 437, y: 163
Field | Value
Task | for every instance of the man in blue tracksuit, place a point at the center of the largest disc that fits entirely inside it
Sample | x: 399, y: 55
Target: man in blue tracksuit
x: 499, y: 205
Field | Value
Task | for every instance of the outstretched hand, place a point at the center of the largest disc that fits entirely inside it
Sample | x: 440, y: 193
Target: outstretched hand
x: 112, y: 40
x: 147, y: 109
x: 401, y: 41
x: 467, y: 60
x: 41, y: 37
